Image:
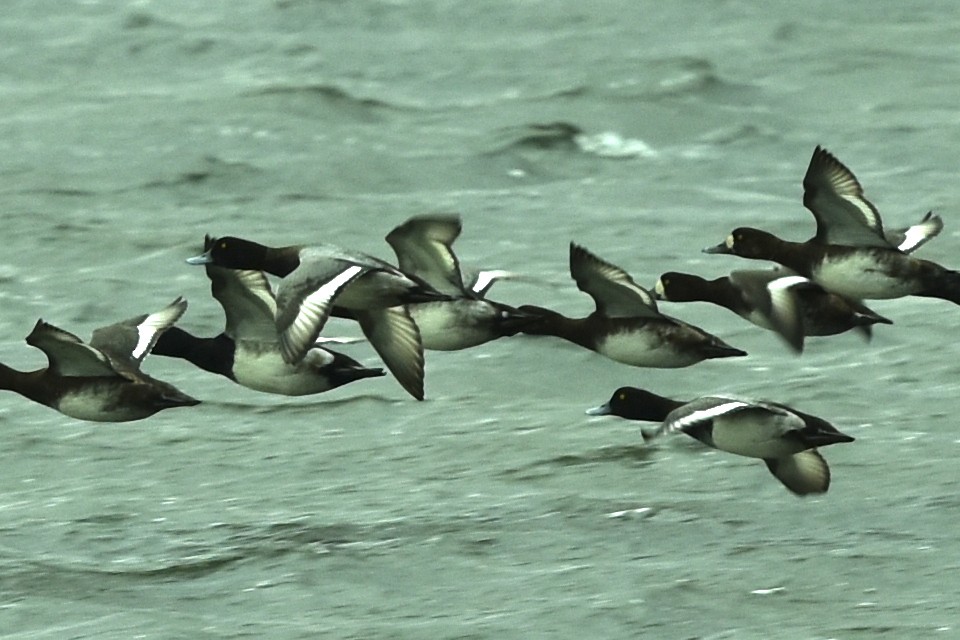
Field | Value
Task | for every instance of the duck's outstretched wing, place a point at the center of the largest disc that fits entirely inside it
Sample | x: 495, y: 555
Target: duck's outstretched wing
x: 612, y: 289
x: 304, y: 304
x: 248, y: 302
x: 395, y: 336
x: 132, y: 339
x: 915, y: 236
x: 424, y: 248
x: 834, y: 195
x: 67, y: 354
x: 802, y: 473
x: 773, y: 294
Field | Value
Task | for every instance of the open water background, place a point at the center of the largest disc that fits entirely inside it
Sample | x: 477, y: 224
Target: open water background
x: 495, y: 509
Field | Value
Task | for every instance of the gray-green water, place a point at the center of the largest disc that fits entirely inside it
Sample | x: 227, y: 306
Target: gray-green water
x: 495, y: 509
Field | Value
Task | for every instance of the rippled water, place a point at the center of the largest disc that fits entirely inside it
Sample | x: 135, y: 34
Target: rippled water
x: 496, y: 508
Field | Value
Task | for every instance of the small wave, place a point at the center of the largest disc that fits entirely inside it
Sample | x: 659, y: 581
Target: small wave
x: 630, y: 453
x: 680, y: 77
x: 568, y: 137
x: 142, y: 20
x: 551, y: 136
x: 301, y: 404
x: 330, y: 96
x: 8, y: 272
x: 212, y: 168
x: 612, y: 145
x: 692, y: 75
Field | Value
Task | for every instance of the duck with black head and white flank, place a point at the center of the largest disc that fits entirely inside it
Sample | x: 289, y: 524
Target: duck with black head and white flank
x: 248, y: 349
x: 783, y: 437
x: 626, y: 325
x: 424, y: 248
x: 100, y: 381
x: 314, y: 278
x: 850, y: 254
x: 779, y: 300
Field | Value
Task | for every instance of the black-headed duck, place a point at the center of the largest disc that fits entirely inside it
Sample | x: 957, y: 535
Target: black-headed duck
x: 775, y: 299
x: 248, y: 349
x: 315, y: 278
x: 850, y: 253
x: 626, y: 325
x: 784, y: 438
x: 100, y: 381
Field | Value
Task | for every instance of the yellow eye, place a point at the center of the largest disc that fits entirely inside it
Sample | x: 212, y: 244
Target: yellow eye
x: 223, y: 245
x: 622, y: 396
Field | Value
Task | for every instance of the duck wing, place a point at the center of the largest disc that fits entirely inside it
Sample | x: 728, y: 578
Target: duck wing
x: 424, y: 248
x: 67, y: 354
x: 699, y: 413
x: 612, y: 289
x: 248, y: 302
x: 480, y: 281
x: 131, y: 340
x: 395, y: 336
x: 834, y: 196
x: 304, y: 301
x: 772, y: 293
x: 915, y: 236
x: 802, y: 473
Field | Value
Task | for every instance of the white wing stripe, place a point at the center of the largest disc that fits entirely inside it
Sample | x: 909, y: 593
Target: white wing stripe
x: 786, y: 282
x: 153, y: 324
x: 702, y: 415
x: 325, y: 293
x: 312, y: 314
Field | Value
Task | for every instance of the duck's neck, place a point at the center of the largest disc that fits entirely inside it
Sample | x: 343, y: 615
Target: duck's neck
x: 652, y: 408
x: 281, y: 261
x: 210, y: 354
x: 720, y: 291
x: 793, y: 255
x: 551, y: 323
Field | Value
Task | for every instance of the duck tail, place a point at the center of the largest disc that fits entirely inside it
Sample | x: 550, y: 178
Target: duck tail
x: 717, y: 348
x: 869, y: 319
x: 511, y: 320
x: 172, y: 397
x: 345, y: 369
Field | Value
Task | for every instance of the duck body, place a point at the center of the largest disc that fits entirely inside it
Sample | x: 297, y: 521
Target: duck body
x: 662, y: 343
x: 320, y: 370
x: 881, y: 273
x: 100, y: 398
x: 261, y: 367
x: 784, y: 438
x: 424, y: 248
x: 464, y: 322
